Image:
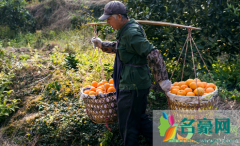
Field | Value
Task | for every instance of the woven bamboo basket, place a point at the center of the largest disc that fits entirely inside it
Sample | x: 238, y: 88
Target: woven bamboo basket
x: 102, y: 108
x: 192, y: 110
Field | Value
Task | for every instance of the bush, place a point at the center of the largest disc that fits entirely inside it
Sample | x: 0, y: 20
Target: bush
x: 219, y: 21
x: 14, y: 15
x: 226, y: 76
x: 7, y: 106
x: 7, y: 69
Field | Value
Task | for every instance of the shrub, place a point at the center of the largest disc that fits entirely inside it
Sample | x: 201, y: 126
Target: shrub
x: 71, y: 62
x: 219, y: 21
x: 7, y: 106
x: 14, y: 15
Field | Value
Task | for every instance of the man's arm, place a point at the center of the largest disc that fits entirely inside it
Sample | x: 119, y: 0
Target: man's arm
x: 156, y: 62
x: 109, y: 47
x: 106, y: 46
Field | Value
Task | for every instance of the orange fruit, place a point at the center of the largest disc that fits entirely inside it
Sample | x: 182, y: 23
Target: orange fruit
x: 193, y: 85
x: 86, y: 91
x: 111, y: 89
x: 205, y: 84
x: 99, y: 89
x: 199, y: 91
x: 183, y: 87
x: 175, y: 84
x: 106, y: 86
x: 176, y: 87
x: 99, y: 84
x: 200, y: 84
x: 181, y: 92
x: 172, y: 87
x: 104, y: 81
x: 111, y: 81
x: 209, y: 90
x: 174, y: 91
x: 188, y: 90
x: 93, y: 89
x: 205, y: 93
x: 87, y: 86
x: 181, y: 83
x: 211, y: 85
x: 94, y: 84
x: 92, y: 93
x: 197, y: 80
x: 189, y: 81
x: 111, y: 85
x: 190, y: 94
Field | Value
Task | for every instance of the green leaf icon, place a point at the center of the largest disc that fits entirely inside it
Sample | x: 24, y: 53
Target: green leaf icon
x: 164, y: 125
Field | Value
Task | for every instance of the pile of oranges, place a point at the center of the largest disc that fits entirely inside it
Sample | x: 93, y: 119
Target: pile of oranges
x: 192, y: 87
x: 101, y: 87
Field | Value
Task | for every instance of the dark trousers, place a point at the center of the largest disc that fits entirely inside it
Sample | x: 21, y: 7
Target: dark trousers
x: 132, y: 118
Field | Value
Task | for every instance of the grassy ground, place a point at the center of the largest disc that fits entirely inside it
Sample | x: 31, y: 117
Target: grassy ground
x: 49, y: 111
x: 39, y: 72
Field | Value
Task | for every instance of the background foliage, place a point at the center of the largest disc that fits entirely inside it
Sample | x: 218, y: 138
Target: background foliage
x: 14, y: 15
x: 40, y: 80
x: 219, y: 21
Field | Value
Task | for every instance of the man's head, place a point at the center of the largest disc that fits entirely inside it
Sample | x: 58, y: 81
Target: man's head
x: 116, y: 14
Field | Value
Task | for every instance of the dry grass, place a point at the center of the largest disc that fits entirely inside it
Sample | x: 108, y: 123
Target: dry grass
x: 56, y: 14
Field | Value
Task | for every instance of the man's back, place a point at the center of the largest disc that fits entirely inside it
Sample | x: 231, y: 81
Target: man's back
x: 133, y: 50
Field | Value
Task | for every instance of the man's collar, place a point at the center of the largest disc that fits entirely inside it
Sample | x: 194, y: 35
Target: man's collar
x: 120, y: 30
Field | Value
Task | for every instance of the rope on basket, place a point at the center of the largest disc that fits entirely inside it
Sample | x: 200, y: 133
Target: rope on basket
x: 189, y: 38
x: 189, y: 34
x: 106, y: 117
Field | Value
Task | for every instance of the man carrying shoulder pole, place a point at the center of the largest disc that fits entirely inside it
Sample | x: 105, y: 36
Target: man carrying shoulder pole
x: 131, y: 75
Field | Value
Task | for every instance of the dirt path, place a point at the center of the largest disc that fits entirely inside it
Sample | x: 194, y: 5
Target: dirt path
x: 227, y: 104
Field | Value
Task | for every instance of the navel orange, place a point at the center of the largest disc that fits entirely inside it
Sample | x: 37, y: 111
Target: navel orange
x: 190, y: 94
x: 199, y: 91
x: 111, y: 89
x: 188, y: 90
x: 189, y: 81
x: 183, y: 87
x: 205, y: 84
x: 211, y: 85
x: 175, y: 84
x: 111, y: 81
x: 99, y: 84
x: 94, y: 84
x: 209, y: 90
x: 200, y: 84
x: 93, y: 89
x: 181, y: 92
x: 86, y: 91
x: 174, y: 91
x: 181, y: 83
x: 92, y: 93
x: 193, y: 85
x: 87, y: 86
x: 197, y: 80
x: 176, y: 87
x: 106, y: 86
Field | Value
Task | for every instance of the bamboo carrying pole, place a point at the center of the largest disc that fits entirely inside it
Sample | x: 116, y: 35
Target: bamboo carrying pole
x: 154, y: 23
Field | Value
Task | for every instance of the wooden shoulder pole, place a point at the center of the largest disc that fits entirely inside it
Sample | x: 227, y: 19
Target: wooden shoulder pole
x: 154, y: 23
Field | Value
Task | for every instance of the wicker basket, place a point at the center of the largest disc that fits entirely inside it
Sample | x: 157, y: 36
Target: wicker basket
x: 181, y: 110
x: 101, y: 109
